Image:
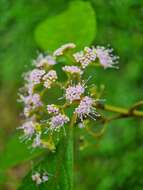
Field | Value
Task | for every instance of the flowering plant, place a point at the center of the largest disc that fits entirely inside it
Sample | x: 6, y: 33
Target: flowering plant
x: 54, y: 105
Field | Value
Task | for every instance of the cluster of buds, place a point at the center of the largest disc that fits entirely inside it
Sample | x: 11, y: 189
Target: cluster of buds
x: 85, y: 57
x: 40, y: 118
x: 49, y: 78
x: 100, y: 53
x: 72, y: 70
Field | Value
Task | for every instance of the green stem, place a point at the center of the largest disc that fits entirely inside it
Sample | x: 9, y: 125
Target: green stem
x: 71, y: 149
x: 122, y: 111
x: 121, y: 114
x: 69, y: 154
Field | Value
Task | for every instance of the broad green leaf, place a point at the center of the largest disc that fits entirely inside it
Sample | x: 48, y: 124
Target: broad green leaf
x: 76, y: 24
x: 16, y: 152
x: 58, y: 164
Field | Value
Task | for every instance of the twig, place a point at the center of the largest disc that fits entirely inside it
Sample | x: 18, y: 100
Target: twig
x: 136, y: 105
x: 123, y: 112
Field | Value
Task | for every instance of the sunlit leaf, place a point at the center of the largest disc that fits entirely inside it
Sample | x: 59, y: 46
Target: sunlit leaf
x: 76, y: 24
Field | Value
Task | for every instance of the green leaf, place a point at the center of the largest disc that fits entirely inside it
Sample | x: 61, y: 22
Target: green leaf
x: 58, y: 164
x: 16, y: 152
x: 76, y: 24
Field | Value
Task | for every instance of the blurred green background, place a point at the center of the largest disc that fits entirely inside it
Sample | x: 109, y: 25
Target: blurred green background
x: 114, y: 163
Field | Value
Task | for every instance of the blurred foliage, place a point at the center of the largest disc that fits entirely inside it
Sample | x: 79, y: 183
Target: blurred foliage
x: 114, y: 162
x: 21, y: 153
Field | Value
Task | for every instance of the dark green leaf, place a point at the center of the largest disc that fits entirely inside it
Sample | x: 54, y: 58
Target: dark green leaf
x: 59, y: 164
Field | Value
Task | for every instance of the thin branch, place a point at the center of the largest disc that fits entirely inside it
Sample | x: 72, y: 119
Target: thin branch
x: 98, y: 134
x: 136, y: 105
x: 123, y: 112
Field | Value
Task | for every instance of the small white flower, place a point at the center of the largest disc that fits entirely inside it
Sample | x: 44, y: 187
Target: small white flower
x: 37, y: 141
x: 58, y: 121
x: 74, y: 92
x: 81, y: 125
x: 106, y: 58
x: 28, y: 128
x: 47, y: 83
x: 85, y: 57
x: 44, y: 60
x: 40, y: 177
x: 36, y: 75
x: 30, y: 88
x: 27, y: 111
x: 32, y: 100
x: 62, y: 49
x: 52, y: 109
x: 72, y: 70
x: 36, y: 100
x: 51, y: 75
x: 37, y: 178
x: 45, y: 177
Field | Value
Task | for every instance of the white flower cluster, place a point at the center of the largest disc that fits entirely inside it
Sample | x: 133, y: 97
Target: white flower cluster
x: 35, y: 76
x: 106, y: 58
x: 89, y: 55
x: 85, y: 57
x: 52, y: 109
x: 57, y: 120
x: 31, y: 102
x: 86, y: 108
x: 49, y: 78
x: 28, y: 128
x: 44, y: 76
x: 32, y: 99
x: 74, y: 92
